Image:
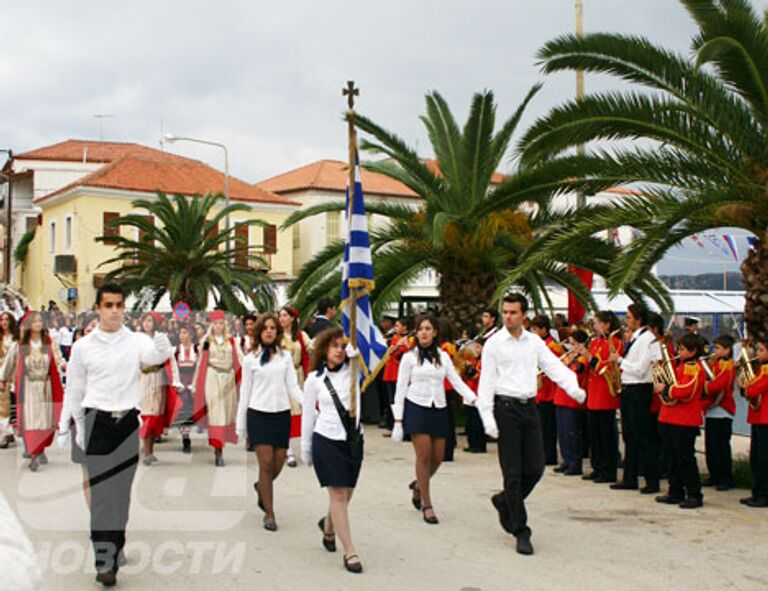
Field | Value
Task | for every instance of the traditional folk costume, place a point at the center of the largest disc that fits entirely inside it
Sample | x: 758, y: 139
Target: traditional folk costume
x: 299, y: 351
x: 186, y: 360
x: 160, y: 402
x: 720, y: 407
x: 601, y: 407
x: 545, y: 402
x: 216, y: 388
x: 35, y: 370
x: 568, y: 416
x: 680, y: 419
x: 756, y: 392
x: 7, y: 397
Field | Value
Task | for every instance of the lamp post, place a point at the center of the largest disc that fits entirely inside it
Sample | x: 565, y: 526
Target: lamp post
x: 171, y: 138
x: 8, y: 220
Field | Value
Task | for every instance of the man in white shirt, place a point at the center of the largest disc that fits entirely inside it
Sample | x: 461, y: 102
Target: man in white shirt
x: 638, y: 423
x: 103, y: 396
x: 510, y: 361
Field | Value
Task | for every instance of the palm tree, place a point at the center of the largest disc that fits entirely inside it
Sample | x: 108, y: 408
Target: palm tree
x: 186, y: 256
x: 692, y: 132
x: 472, y: 227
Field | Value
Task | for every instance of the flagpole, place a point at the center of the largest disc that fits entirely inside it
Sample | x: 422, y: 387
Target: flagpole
x: 351, y: 92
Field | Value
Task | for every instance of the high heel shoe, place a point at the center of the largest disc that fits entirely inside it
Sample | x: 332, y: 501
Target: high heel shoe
x: 269, y: 525
x: 353, y: 567
x: 430, y: 520
x: 258, y: 496
x: 329, y: 540
x: 416, y: 498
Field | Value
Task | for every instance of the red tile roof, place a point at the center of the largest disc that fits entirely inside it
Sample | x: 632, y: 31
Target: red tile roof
x: 178, y: 175
x: 332, y: 175
x: 496, y: 177
x: 93, y: 151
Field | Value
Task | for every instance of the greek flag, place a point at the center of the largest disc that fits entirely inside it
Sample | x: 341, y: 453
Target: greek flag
x: 357, y: 276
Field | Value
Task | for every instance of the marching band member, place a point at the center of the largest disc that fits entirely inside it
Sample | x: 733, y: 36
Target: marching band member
x: 680, y: 419
x: 756, y: 392
x: 160, y: 401
x: 217, y: 384
x: 602, y: 399
x: 326, y: 438
x: 269, y: 386
x: 398, y: 346
x: 545, y: 395
x: 568, y: 411
x: 720, y: 408
x: 34, y: 364
x: 298, y: 345
x: 420, y: 408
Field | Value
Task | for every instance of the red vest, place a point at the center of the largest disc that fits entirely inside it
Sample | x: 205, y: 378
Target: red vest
x: 686, y: 410
x: 725, y: 376
x: 546, y: 393
x: 756, y: 388
x: 598, y: 396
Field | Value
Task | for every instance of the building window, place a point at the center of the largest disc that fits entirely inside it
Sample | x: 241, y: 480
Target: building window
x: 241, y: 245
x: 53, y: 237
x: 270, y: 239
x: 31, y: 223
x: 109, y: 231
x: 332, y: 226
x: 68, y: 232
x: 144, y: 239
x: 297, y: 235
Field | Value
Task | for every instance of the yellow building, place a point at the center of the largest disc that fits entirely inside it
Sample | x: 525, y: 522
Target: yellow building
x: 64, y: 256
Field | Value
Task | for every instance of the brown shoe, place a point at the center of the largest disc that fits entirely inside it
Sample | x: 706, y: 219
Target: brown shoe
x: 107, y: 578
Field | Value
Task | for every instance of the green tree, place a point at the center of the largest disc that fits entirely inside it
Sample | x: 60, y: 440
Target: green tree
x: 472, y: 228
x: 182, y: 253
x: 691, y: 130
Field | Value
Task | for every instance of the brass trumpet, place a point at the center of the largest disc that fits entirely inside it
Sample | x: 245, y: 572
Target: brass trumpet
x: 611, y: 372
x: 706, y: 367
x: 747, y: 374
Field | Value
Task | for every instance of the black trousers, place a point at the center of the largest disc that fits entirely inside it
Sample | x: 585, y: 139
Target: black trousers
x: 604, y: 443
x: 569, y: 437
x: 112, y: 454
x: 758, y: 460
x: 640, y: 434
x: 452, y: 402
x: 717, y: 439
x: 680, y: 444
x: 475, y: 430
x: 549, y: 431
x: 387, y: 400
x: 521, y: 457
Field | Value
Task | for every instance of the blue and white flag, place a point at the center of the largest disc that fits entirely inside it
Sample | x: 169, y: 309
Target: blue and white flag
x: 357, y: 276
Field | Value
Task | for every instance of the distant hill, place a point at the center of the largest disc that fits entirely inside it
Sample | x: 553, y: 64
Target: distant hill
x: 713, y: 281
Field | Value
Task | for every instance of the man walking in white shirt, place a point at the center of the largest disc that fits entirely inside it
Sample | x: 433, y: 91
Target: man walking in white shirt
x: 103, y: 396
x: 506, y: 393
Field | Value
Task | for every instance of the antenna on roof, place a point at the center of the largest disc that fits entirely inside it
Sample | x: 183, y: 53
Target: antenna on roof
x: 162, y: 135
x: 101, y: 117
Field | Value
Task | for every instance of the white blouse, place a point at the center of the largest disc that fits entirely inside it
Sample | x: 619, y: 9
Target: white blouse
x: 319, y: 413
x: 424, y: 384
x: 266, y: 388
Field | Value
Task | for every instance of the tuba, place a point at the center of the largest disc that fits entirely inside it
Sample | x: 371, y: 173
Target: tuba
x: 747, y: 374
x: 611, y: 372
x: 663, y: 372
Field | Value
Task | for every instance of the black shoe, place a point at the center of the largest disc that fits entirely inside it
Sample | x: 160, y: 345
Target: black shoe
x: 107, y: 578
x: 590, y: 476
x: 560, y: 468
x: 329, y: 540
x: 723, y: 486
x: 524, y: 545
x: 650, y: 489
x: 258, y: 496
x: 186, y: 445
x: 668, y: 500
x: 708, y: 482
x: 353, y: 567
x: 219, y: 462
x: 43, y: 459
x: 621, y: 485
x: 692, y: 503
x: 416, y: 498
x: 746, y: 500
x: 270, y: 525
x: 759, y: 502
x: 473, y: 450
x: 501, y: 507
x: 572, y: 472
x: 4, y: 444
x: 430, y: 520
x: 34, y: 464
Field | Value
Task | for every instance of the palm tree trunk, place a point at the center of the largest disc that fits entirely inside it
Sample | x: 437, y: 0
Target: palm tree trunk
x: 755, y: 273
x: 464, y: 296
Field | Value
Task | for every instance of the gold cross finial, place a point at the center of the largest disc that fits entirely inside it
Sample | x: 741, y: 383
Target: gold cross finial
x: 350, y: 92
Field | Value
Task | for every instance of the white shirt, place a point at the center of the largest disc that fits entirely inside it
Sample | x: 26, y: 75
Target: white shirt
x: 104, y: 370
x: 637, y: 362
x: 424, y: 384
x: 65, y: 336
x: 319, y: 414
x: 266, y: 388
x: 55, y: 335
x: 509, y: 368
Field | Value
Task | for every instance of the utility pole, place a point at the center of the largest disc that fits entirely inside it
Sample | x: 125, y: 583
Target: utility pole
x: 581, y: 199
x: 7, y: 254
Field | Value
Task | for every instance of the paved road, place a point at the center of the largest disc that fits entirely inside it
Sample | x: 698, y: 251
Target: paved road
x: 197, y: 527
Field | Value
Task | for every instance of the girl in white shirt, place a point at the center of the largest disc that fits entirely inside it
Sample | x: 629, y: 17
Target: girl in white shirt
x: 420, y: 408
x: 324, y: 439
x: 264, y: 414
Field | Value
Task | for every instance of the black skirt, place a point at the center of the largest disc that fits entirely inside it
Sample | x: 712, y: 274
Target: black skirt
x: 333, y: 463
x: 269, y: 428
x: 424, y: 420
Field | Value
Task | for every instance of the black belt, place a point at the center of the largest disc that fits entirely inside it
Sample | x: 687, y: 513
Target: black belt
x: 512, y: 400
x: 116, y: 415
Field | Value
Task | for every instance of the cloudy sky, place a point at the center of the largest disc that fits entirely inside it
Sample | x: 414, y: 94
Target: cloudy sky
x: 265, y: 78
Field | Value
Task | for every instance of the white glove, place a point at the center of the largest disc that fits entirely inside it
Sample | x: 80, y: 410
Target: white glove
x: 397, y: 433
x: 178, y: 386
x: 351, y: 351
x: 240, y: 430
x: 579, y: 395
x: 491, y: 429
x: 80, y: 435
x: 306, y: 455
x: 62, y: 437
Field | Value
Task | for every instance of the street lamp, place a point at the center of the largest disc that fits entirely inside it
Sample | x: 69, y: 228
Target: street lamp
x: 8, y: 219
x: 171, y: 138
